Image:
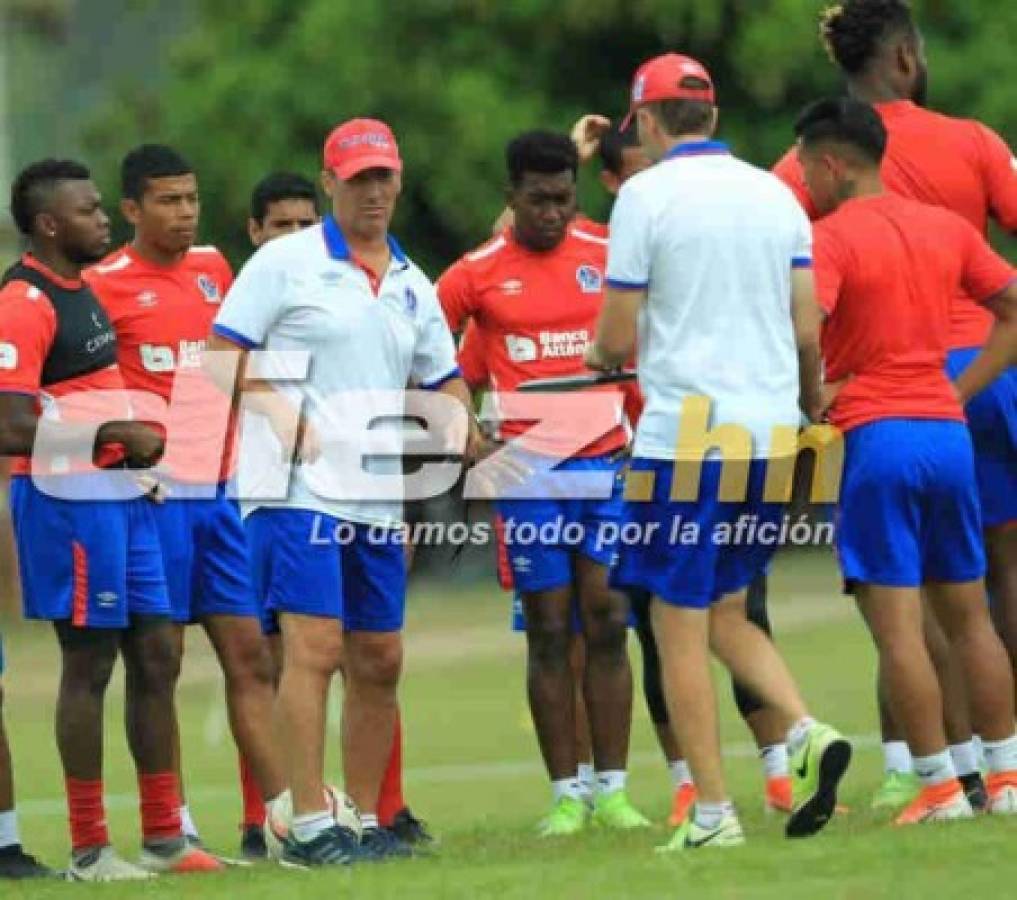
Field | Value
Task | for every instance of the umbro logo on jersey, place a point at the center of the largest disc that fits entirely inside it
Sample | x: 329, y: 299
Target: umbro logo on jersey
x: 590, y: 279
x: 209, y: 288
x: 106, y: 598
x: 410, y: 302
x: 147, y: 299
x: 511, y: 287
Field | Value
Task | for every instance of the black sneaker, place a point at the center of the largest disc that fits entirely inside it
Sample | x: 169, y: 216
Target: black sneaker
x: 409, y: 829
x: 974, y: 788
x: 16, y: 864
x: 252, y: 844
x: 380, y: 845
x: 335, y: 846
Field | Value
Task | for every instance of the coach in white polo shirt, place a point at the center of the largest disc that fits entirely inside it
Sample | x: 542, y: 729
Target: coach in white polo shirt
x: 331, y: 567
x: 709, y: 266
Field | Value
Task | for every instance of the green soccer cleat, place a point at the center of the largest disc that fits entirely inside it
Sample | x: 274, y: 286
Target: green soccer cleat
x: 816, y: 769
x: 615, y: 811
x: 897, y: 791
x: 567, y: 817
x: 690, y: 836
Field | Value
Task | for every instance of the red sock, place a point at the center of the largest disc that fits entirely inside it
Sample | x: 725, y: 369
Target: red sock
x: 87, y: 813
x: 390, y: 799
x: 254, y: 805
x: 160, y: 806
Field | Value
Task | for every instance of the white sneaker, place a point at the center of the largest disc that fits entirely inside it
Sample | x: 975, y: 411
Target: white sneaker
x: 690, y: 836
x: 1002, y: 790
x: 103, y: 864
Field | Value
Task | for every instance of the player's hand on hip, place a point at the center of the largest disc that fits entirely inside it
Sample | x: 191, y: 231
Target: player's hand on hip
x: 143, y: 444
x: 593, y: 360
x: 586, y: 135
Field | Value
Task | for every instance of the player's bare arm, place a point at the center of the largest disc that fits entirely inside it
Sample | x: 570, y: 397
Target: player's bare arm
x: 1000, y: 350
x: 260, y: 396
x: 806, y: 318
x: 616, y: 331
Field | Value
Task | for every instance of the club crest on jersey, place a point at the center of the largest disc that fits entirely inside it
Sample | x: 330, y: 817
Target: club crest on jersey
x: 590, y: 280
x: 410, y: 302
x: 511, y: 287
x: 209, y: 288
x: 147, y: 299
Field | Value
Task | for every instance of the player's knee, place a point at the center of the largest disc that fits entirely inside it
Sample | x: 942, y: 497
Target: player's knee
x: 156, y: 664
x: 249, y: 662
x: 605, y: 627
x: 377, y: 662
x: 548, y: 641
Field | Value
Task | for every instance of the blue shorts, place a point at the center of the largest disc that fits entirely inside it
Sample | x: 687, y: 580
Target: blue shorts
x: 909, y: 508
x: 542, y: 536
x: 204, y: 550
x: 992, y: 421
x: 312, y: 564
x: 95, y: 563
x: 691, y: 554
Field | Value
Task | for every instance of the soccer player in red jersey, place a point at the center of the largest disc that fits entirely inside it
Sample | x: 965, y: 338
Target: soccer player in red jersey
x: 888, y: 271
x: 964, y: 166
x: 161, y: 293
x: 534, y: 293
x: 87, y: 546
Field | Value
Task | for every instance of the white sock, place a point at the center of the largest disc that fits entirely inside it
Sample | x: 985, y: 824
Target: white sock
x: 897, y: 757
x: 9, y: 828
x: 187, y: 823
x: 935, y: 769
x: 798, y: 733
x: 567, y: 787
x: 775, y: 764
x: 710, y: 815
x: 369, y: 820
x: 1001, y: 756
x: 965, y: 759
x: 587, y: 779
x: 680, y: 773
x: 611, y: 781
x: 979, y: 751
x: 307, y: 827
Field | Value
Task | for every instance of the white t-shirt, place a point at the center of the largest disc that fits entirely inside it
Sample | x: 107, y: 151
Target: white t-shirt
x: 713, y: 240
x: 304, y: 296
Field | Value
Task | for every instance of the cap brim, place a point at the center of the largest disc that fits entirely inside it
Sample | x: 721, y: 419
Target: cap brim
x: 354, y: 167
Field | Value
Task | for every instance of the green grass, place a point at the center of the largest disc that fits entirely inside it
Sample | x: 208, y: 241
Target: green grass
x: 473, y: 773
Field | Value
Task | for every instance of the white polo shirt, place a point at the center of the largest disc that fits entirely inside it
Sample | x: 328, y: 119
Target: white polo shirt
x: 305, y: 293
x: 713, y: 240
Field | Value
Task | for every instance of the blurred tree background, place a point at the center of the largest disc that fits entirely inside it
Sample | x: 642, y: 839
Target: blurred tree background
x: 253, y: 85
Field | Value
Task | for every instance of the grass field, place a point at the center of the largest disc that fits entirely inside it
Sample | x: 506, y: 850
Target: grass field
x: 474, y: 774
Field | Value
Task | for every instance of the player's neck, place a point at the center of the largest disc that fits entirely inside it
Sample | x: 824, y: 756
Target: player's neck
x: 873, y: 89
x: 864, y: 184
x: 156, y: 255
x: 57, y: 263
x: 374, y: 251
x: 671, y: 142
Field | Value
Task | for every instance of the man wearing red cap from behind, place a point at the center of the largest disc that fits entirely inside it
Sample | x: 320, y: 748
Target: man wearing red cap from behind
x: 332, y: 570
x: 709, y: 270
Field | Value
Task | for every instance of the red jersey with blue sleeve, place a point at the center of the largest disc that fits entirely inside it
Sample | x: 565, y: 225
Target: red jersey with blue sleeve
x: 534, y: 314
x: 29, y: 326
x: 888, y: 270
x: 163, y: 316
x: 958, y: 164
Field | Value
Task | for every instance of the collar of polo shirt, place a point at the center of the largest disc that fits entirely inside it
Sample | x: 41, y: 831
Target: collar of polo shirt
x: 698, y: 148
x: 337, y: 247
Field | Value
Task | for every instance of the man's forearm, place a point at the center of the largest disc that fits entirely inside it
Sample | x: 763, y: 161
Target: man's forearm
x: 998, y: 354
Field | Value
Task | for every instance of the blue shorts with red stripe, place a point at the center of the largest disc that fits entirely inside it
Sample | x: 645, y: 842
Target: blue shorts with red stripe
x: 992, y: 421
x: 909, y: 510
x: 95, y: 563
x: 692, y: 553
x: 542, y: 535
x: 204, y: 550
x: 312, y: 564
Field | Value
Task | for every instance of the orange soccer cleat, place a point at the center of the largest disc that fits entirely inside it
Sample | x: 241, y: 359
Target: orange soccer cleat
x: 937, y: 803
x: 681, y: 803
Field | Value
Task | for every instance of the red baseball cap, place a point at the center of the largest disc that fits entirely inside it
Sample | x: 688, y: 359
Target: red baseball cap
x: 361, y: 144
x: 661, y: 79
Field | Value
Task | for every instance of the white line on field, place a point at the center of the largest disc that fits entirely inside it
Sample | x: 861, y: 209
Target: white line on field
x: 443, y: 774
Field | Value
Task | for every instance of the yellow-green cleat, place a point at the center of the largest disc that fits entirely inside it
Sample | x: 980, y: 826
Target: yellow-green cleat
x: 615, y: 811
x: 690, y: 836
x: 897, y: 790
x: 817, y: 767
x: 567, y: 817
